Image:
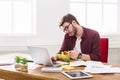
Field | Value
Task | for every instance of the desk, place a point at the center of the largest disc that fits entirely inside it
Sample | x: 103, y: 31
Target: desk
x: 9, y: 73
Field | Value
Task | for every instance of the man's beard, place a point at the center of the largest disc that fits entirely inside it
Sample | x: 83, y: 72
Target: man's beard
x: 74, y: 31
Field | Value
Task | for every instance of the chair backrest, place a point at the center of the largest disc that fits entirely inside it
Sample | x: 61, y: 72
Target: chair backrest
x: 103, y: 49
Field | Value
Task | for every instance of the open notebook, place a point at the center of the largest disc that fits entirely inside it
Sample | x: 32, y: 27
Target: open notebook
x: 8, y: 59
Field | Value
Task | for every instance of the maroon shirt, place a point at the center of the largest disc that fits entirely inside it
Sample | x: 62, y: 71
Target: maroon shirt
x: 90, y: 43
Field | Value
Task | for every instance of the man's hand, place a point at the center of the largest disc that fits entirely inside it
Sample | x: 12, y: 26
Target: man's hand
x: 54, y: 58
x: 73, y: 54
x: 85, y: 57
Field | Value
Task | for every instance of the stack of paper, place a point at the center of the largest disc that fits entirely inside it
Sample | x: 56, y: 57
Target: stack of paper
x: 97, y: 70
x: 95, y: 67
x: 85, y: 63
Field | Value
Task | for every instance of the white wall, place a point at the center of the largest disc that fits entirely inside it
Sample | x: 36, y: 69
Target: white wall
x: 48, y: 20
x: 114, y: 39
x: 49, y: 14
x: 48, y: 17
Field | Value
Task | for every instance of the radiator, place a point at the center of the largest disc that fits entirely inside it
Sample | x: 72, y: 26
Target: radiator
x: 15, y: 49
x: 8, y: 52
x: 114, y: 56
x: 53, y: 49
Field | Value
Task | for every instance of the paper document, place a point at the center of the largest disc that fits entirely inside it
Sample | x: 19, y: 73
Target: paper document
x: 99, y: 70
x: 6, y: 62
x: 62, y: 62
x: 32, y: 66
x: 10, y: 58
x: 95, y: 67
x: 85, y: 63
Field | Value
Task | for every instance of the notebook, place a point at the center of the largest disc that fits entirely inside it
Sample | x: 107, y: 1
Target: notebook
x: 41, y: 56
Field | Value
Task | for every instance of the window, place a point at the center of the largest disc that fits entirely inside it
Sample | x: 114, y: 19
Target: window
x: 101, y: 15
x: 17, y: 17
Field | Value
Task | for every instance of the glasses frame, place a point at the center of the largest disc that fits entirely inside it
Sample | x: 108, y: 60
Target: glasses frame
x: 66, y: 27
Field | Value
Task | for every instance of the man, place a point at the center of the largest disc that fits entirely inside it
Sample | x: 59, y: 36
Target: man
x: 82, y: 43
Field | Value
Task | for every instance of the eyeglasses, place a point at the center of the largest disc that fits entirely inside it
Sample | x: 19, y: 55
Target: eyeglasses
x: 66, y: 27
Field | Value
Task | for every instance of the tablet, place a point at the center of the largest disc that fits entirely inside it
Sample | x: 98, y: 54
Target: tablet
x: 75, y: 74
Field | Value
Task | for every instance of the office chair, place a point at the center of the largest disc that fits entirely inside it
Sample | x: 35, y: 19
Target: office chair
x: 103, y: 49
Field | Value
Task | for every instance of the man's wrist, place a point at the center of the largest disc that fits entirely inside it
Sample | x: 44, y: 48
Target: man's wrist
x: 79, y: 55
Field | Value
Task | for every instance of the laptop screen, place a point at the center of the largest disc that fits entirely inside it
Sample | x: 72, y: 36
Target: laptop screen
x: 40, y: 55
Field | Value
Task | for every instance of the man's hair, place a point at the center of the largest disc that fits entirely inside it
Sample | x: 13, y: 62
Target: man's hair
x: 68, y: 18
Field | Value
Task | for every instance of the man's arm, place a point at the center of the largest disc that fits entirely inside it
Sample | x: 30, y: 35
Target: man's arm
x: 95, y: 55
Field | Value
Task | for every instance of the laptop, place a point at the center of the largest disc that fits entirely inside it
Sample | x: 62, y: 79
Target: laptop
x: 41, y: 56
